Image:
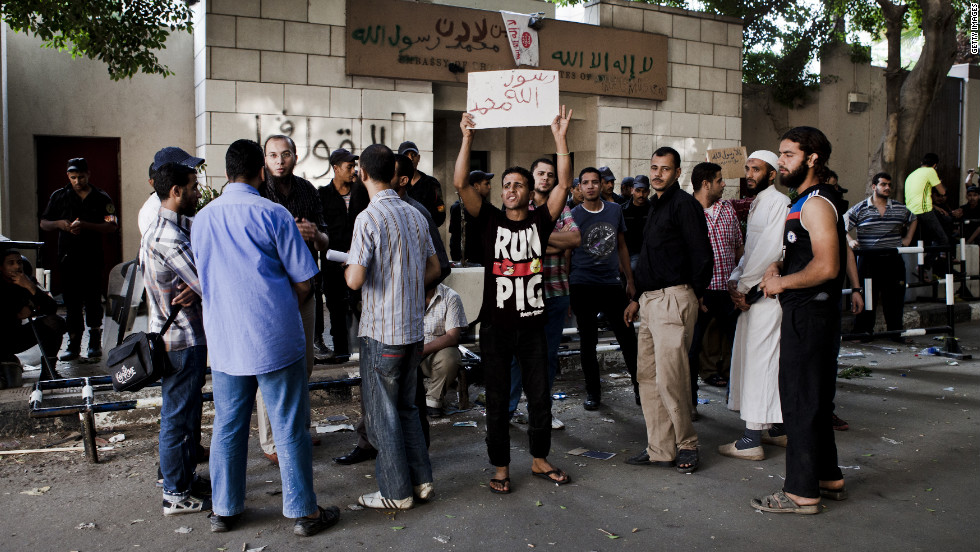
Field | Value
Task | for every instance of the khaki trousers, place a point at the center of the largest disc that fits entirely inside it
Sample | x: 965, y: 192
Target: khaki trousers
x: 440, y: 369
x: 308, y: 312
x: 667, y: 320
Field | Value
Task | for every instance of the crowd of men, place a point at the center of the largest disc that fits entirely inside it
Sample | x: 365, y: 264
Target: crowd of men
x: 656, y: 265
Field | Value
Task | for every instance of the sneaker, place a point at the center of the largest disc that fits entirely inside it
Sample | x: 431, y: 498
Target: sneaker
x: 201, y: 487
x: 425, y: 491
x: 375, y: 500
x: 556, y: 423
x: 519, y: 418
x: 307, y: 527
x: 433, y: 411
x: 223, y: 524
x: 190, y: 505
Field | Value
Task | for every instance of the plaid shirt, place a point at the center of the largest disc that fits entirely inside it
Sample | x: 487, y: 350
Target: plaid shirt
x: 443, y: 313
x: 165, y: 255
x: 725, y: 234
x: 554, y: 268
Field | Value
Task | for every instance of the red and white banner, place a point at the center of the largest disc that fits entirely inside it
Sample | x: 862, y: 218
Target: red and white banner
x: 523, y: 40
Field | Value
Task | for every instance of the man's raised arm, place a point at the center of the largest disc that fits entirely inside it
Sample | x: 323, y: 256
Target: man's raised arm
x: 472, y: 200
x: 559, y: 128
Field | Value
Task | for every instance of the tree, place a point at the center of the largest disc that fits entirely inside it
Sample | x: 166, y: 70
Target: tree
x: 783, y: 38
x: 122, y: 34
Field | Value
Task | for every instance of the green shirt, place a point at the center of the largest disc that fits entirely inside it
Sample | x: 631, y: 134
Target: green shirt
x: 918, y: 189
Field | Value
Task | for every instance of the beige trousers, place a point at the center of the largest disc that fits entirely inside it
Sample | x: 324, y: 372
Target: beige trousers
x: 440, y: 369
x: 667, y: 320
x: 307, y: 311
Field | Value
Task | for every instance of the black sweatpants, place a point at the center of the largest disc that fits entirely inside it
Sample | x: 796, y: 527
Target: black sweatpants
x: 807, y: 374
x: 499, y: 345
x: 587, y: 301
x: 887, y: 273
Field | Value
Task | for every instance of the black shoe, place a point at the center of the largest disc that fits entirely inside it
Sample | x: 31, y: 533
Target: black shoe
x: 201, y: 487
x: 72, y: 353
x: 94, y: 343
x: 356, y: 456
x: 321, y: 351
x: 643, y: 459
x: 223, y: 524
x: 433, y: 411
x: 592, y: 403
x: 306, y: 527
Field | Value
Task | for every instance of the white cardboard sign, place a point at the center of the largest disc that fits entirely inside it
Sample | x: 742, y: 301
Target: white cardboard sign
x: 512, y: 98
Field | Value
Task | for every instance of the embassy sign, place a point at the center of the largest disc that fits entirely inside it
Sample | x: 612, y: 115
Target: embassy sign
x: 407, y: 40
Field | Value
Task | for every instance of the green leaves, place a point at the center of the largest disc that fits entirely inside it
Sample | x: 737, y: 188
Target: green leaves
x: 122, y: 34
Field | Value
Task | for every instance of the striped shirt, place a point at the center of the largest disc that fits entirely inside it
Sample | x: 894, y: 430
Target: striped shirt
x: 391, y: 240
x: 875, y: 229
x: 443, y: 313
x: 166, y: 259
x: 554, y: 269
x: 725, y: 233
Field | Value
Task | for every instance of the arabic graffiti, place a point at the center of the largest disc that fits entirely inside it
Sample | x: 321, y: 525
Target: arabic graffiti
x: 449, y: 34
x: 601, y: 60
x: 316, y: 137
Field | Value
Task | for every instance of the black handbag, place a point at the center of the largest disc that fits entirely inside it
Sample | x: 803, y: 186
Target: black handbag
x: 141, y: 359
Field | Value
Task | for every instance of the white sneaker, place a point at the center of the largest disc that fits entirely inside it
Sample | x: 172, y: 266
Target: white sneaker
x: 375, y: 500
x: 556, y: 423
x: 189, y: 505
x: 425, y: 491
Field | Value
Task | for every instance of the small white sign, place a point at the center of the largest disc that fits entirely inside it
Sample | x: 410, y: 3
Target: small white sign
x: 512, y: 98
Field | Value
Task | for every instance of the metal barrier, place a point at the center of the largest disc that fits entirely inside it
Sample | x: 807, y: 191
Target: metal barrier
x: 951, y: 347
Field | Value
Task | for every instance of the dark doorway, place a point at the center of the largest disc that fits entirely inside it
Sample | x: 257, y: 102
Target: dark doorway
x: 52, y: 154
x: 942, y: 135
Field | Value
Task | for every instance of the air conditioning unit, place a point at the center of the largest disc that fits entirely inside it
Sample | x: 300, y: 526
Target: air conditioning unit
x: 857, y: 102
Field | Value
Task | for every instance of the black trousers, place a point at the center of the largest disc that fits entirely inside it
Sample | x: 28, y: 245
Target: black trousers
x: 499, y: 346
x: 82, y: 289
x: 50, y: 327
x: 887, y: 273
x: 720, y: 308
x: 587, y: 301
x: 807, y: 374
x: 338, y: 303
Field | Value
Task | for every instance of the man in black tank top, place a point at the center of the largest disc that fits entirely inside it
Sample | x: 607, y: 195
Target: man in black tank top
x: 808, y: 282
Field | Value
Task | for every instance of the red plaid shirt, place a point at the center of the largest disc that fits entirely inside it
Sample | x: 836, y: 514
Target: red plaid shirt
x: 725, y: 233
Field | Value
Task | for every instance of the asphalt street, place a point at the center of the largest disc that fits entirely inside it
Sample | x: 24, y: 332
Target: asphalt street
x: 911, y: 461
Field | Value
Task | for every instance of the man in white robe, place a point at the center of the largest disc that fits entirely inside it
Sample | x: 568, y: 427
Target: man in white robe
x: 754, y: 385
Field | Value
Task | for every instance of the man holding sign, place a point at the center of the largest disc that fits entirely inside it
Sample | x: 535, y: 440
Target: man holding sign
x: 512, y: 317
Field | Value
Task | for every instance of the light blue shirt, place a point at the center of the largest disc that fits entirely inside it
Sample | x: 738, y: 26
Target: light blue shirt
x: 248, y: 253
x: 391, y: 240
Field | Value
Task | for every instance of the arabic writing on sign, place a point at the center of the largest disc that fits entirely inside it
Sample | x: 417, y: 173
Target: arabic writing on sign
x: 732, y: 161
x: 512, y: 98
x: 627, y: 64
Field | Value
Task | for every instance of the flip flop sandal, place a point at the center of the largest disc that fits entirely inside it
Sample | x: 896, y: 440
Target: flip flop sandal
x: 547, y: 475
x: 834, y: 494
x: 779, y: 503
x: 505, y: 482
x: 689, y: 457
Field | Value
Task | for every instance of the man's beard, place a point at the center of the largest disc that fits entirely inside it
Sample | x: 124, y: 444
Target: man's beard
x: 796, y: 178
x: 280, y: 182
x: 882, y: 196
x: 759, y: 188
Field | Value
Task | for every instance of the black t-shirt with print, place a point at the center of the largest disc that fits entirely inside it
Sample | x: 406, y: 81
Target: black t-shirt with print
x: 513, y: 291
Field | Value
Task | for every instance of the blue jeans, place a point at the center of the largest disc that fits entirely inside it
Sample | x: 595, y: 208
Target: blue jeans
x: 555, y: 311
x: 180, y: 420
x: 287, y: 399
x: 388, y: 384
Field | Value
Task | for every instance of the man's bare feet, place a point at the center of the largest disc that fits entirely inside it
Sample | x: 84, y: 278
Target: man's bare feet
x: 802, y: 500
x: 501, y: 480
x: 541, y: 465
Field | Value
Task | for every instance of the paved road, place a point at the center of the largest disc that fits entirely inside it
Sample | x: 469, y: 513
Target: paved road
x: 911, y: 460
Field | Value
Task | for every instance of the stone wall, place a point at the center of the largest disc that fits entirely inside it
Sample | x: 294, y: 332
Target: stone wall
x: 703, y: 108
x: 269, y: 67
